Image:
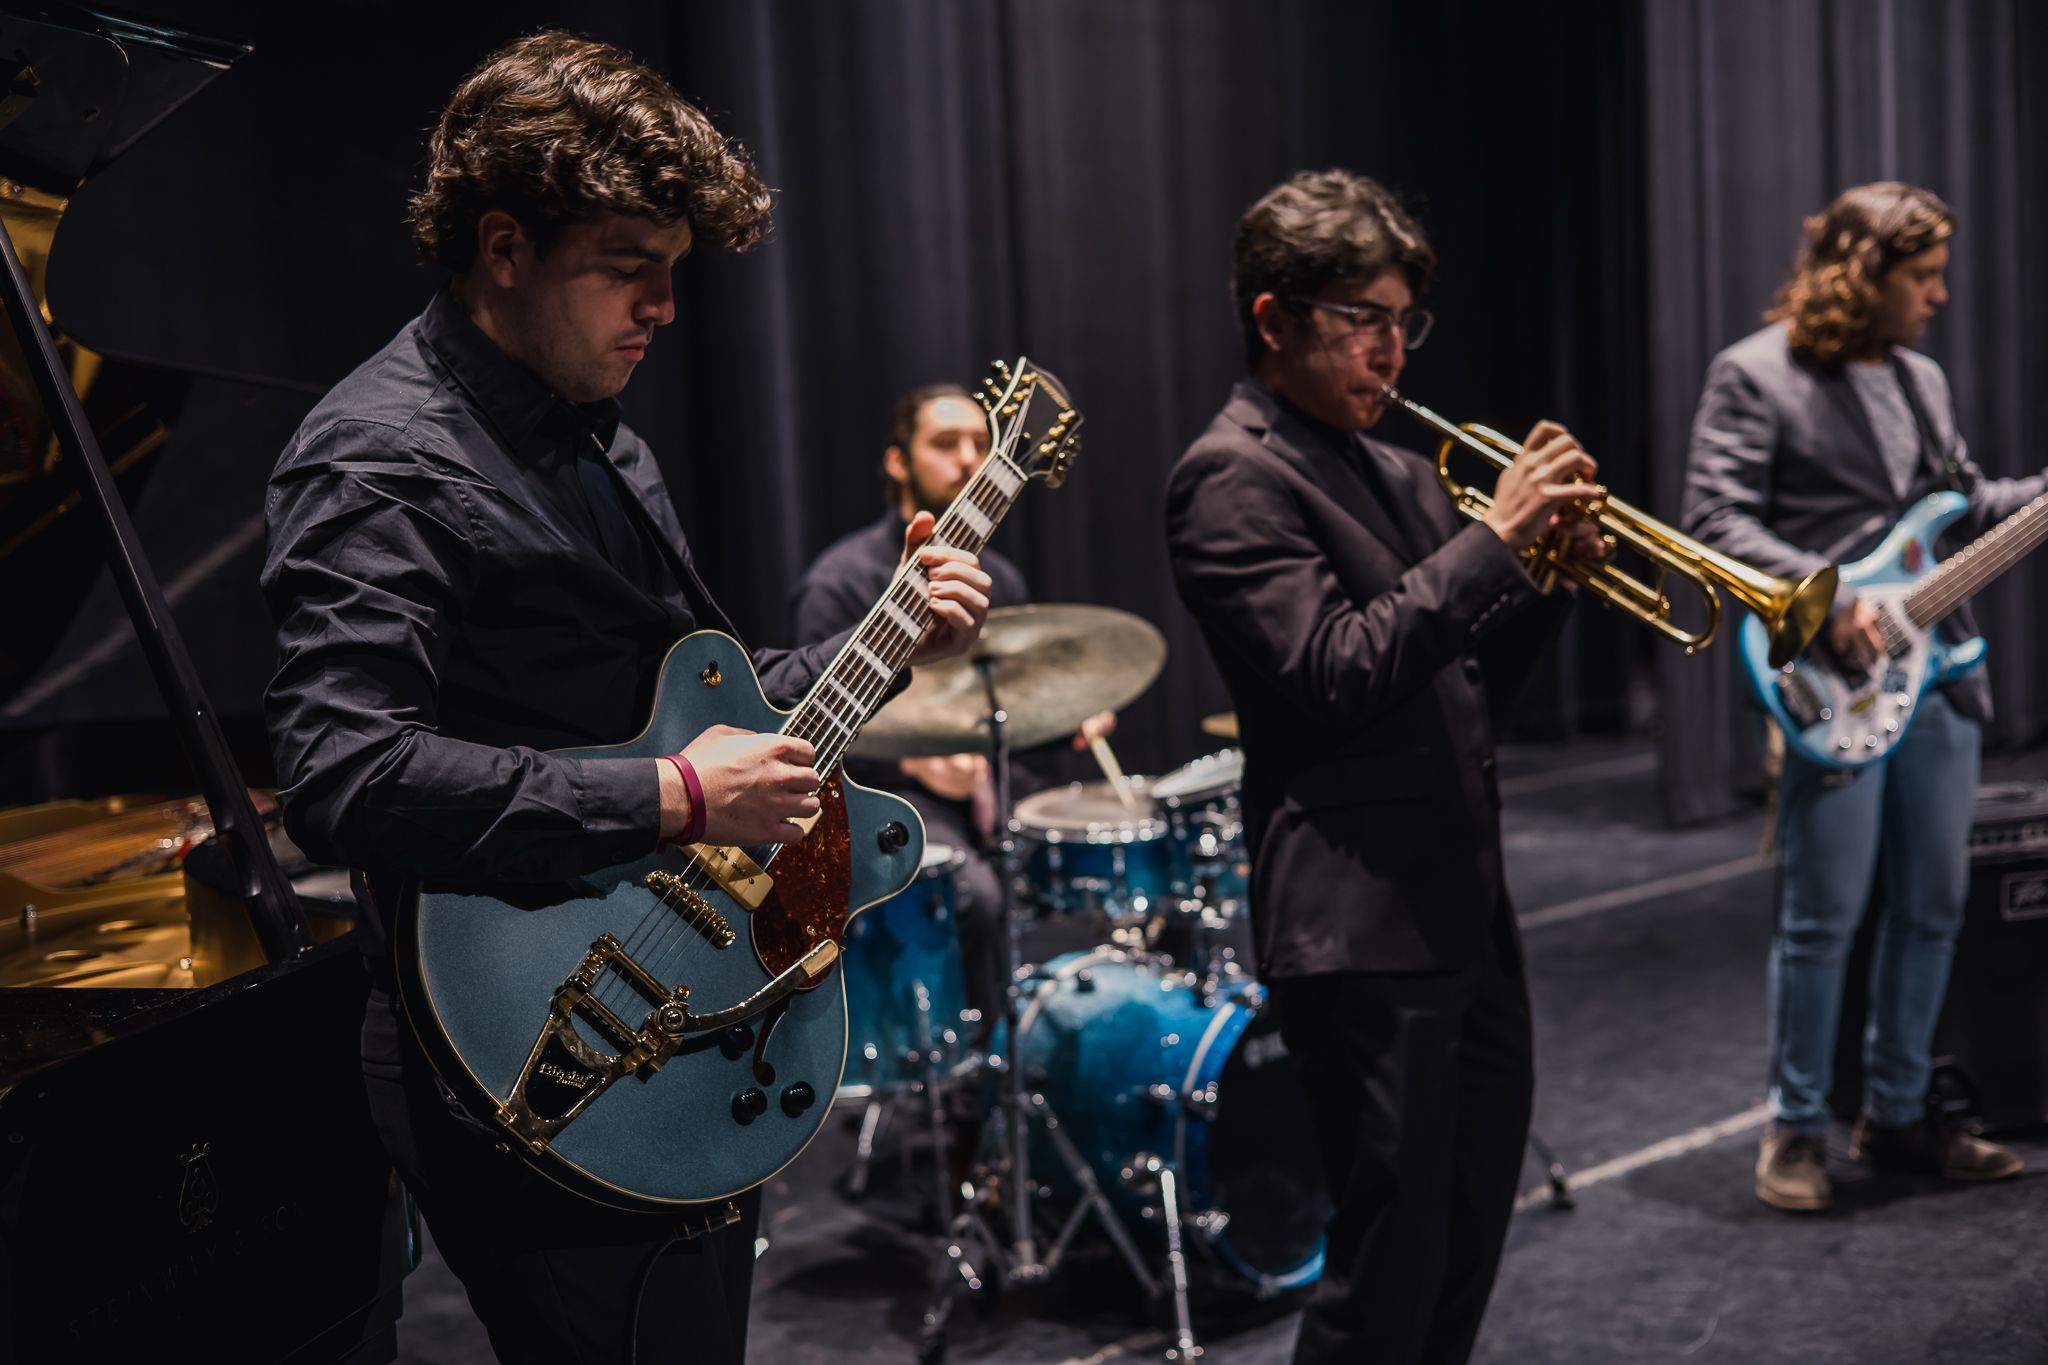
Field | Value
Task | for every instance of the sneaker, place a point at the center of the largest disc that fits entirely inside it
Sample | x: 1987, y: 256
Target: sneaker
x: 1927, y: 1148
x: 1791, y: 1170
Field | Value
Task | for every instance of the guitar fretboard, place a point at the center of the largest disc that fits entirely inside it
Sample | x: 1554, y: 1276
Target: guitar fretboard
x: 852, y: 688
x: 1963, y: 574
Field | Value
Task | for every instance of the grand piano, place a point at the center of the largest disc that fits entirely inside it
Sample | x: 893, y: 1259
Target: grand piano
x: 187, y: 1165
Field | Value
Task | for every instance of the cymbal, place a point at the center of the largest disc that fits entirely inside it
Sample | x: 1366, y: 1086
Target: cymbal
x: 1223, y: 725
x: 1055, y: 665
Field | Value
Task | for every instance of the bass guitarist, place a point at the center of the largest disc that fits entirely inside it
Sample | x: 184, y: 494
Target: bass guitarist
x: 1812, y: 437
x: 472, y: 561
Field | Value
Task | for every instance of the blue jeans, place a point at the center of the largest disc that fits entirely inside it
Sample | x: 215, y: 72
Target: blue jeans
x: 1917, y: 805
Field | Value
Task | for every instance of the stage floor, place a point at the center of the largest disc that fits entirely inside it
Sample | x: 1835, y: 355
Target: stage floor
x: 1646, y: 952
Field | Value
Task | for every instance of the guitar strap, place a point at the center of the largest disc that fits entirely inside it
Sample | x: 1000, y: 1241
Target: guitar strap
x: 1946, y: 467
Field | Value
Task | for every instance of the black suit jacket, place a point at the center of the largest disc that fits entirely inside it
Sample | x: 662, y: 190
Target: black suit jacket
x: 1365, y: 672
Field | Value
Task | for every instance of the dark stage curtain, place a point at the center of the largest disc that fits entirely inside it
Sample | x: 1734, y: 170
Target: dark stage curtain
x: 957, y: 182
x: 1061, y: 177
x: 1758, y: 112
x: 1612, y: 189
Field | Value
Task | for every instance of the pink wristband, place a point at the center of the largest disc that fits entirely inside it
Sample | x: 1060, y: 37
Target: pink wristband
x: 693, y: 832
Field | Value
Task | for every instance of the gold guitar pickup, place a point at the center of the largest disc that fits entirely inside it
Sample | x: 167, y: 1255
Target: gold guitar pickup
x: 736, y: 874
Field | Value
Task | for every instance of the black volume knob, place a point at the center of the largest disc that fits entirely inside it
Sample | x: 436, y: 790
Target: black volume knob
x: 894, y: 836
x: 749, y: 1105
x: 797, y: 1098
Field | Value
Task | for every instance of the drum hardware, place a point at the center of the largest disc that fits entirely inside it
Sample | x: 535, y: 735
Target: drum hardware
x: 998, y: 1196
x: 1554, y: 1173
x: 1152, y: 864
x: 1164, y: 1183
x: 1165, y: 1083
x: 902, y: 962
x: 1196, y: 1104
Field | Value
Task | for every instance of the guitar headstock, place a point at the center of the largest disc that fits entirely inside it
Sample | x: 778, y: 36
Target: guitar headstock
x: 1031, y: 421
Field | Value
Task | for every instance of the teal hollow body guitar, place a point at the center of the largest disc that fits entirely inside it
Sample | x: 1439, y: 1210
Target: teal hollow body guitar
x: 670, y: 1032
x: 1839, y: 715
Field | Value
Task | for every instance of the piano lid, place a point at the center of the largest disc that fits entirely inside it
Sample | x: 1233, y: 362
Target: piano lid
x: 79, y: 86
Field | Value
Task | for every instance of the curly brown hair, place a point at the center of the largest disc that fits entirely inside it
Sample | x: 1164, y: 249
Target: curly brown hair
x: 556, y: 129
x: 1830, y: 304
x: 1316, y: 227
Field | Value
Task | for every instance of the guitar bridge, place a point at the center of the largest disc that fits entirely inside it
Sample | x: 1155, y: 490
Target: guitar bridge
x: 564, y: 1074
x: 679, y: 896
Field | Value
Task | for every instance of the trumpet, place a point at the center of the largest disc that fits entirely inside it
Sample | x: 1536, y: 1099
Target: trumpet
x: 1791, y: 611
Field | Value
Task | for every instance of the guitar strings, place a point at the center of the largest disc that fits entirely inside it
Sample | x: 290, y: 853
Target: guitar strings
x: 661, y: 942
x: 1976, y: 564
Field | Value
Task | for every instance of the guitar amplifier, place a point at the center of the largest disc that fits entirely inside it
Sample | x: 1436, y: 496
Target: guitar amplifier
x: 1991, y: 1045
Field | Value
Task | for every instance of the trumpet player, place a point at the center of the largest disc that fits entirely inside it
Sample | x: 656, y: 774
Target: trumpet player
x: 1368, y: 637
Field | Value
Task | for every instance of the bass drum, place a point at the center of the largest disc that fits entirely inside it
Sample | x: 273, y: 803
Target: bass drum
x: 1134, y: 1060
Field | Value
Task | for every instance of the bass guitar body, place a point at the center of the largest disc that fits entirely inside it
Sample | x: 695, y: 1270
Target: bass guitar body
x: 669, y: 1031
x: 1839, y: 715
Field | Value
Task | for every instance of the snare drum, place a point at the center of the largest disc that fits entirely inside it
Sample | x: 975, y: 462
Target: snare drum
x: 1136, y: 1061
x: 905, y: 991
x: 1081, y: 850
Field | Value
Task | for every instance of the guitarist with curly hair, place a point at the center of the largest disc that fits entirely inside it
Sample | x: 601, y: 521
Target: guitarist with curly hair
x: 1813, y: 437
x: 472, y: 561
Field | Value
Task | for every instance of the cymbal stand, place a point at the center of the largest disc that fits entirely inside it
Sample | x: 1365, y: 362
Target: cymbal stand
x: 998, y: 1195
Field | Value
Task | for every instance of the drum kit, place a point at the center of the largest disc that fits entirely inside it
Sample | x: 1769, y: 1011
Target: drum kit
x: 1141, y: 1089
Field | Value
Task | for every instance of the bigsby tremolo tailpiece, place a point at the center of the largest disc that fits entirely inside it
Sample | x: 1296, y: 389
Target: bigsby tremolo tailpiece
x: 564, y: 1074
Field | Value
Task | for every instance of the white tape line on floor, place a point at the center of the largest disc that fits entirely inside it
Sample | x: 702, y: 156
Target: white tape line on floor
x: 1704, y: 1136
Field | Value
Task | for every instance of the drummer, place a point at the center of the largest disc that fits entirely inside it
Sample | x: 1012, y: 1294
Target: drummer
x: 938, y: 438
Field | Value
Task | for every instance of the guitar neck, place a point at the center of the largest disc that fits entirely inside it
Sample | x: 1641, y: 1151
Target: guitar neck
x: 851, y: 690
x: 1963, y: 574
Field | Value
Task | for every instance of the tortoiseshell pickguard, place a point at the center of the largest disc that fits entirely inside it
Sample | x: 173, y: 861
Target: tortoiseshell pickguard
x: 813, y: 883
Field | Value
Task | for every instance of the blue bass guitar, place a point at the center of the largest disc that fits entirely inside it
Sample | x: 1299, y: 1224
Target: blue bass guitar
x: 1839, y: 715
x: 670, y: 1032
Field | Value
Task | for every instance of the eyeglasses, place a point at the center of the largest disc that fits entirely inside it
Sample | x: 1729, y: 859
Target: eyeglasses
x: 1371, y: 322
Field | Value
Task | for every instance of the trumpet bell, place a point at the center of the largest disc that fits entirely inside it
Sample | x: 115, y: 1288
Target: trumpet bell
x: 1793, y: 621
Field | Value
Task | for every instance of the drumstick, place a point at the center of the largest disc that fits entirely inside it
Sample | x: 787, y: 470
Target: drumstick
x: 1099, y: 746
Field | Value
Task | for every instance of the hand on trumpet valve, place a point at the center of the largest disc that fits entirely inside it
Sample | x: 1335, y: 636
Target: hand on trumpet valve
x: 1549, y: 485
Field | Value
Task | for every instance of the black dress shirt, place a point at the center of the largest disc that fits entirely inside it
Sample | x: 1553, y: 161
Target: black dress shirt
x: 464, y: 570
